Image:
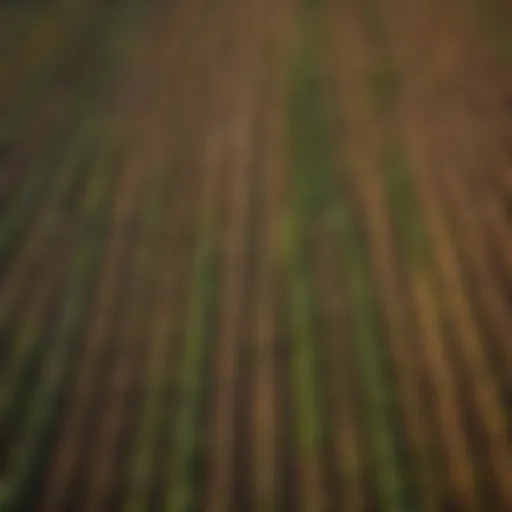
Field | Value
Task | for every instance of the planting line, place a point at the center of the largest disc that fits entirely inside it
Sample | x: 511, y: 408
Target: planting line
x: 186, y: 440
x: 306, y: 145
x: 26, y: 463
x: 387, y: 465
x: 265, y: 411
x: 479, y: 364
x: 189, y: 436
x: 24, y: 344
x: 45, y: 227
x: 86, y: 384
x: 122, y: 385
x: 86, y: 389
x: 346, y: 424
x: 40, y: 181
x: 434, y: 186
x: 144, y: 478
x: 142, y: 460
x: 124, y: 369
x: 245, y: 25
x: 458, y: 310
x: 30, y: 344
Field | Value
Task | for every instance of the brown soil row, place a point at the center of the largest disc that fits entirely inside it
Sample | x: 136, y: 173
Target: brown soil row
x: 369, y: 136
x: 31, y: 343
x: 191, y: 90
x: 348, y: 487
x: 264, y: 415
x: 440, y: 180
x: 244, y: 25
x: 115, y: 434
x: 65, y: 483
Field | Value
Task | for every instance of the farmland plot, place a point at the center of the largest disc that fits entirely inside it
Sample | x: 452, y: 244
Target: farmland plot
x: 255, y: 256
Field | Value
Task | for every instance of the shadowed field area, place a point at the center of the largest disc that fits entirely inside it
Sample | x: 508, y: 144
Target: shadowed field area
x: 256, y: 256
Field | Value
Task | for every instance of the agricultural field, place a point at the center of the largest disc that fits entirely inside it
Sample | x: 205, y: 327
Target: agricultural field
x: 255, y: 256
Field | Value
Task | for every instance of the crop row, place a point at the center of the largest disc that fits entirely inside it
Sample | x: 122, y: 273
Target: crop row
x: 26, y: 459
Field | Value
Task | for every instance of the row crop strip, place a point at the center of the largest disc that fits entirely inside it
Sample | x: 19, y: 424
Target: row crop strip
x: 314, y: 171
x: 412, y: 243
x: 395, y: 230
x: 37, y: 245
x: 132, y: 336
x: 188, y: 440
x: 403, y: 198
x: 82, y: 52
x: 26, y: 462
x: 40, y: 177
x: 26, y: 348
x: 51, y: 190
x: 187, y: 443
x: 147, y: 469
x: 142, y: 468
x: 307, y: 145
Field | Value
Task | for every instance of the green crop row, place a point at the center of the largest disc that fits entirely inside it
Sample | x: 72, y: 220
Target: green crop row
x: 367, y: 350
x: 141, y: 470
x: 187, y: 439
x: 318, y: 195
x: 308, y: 141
